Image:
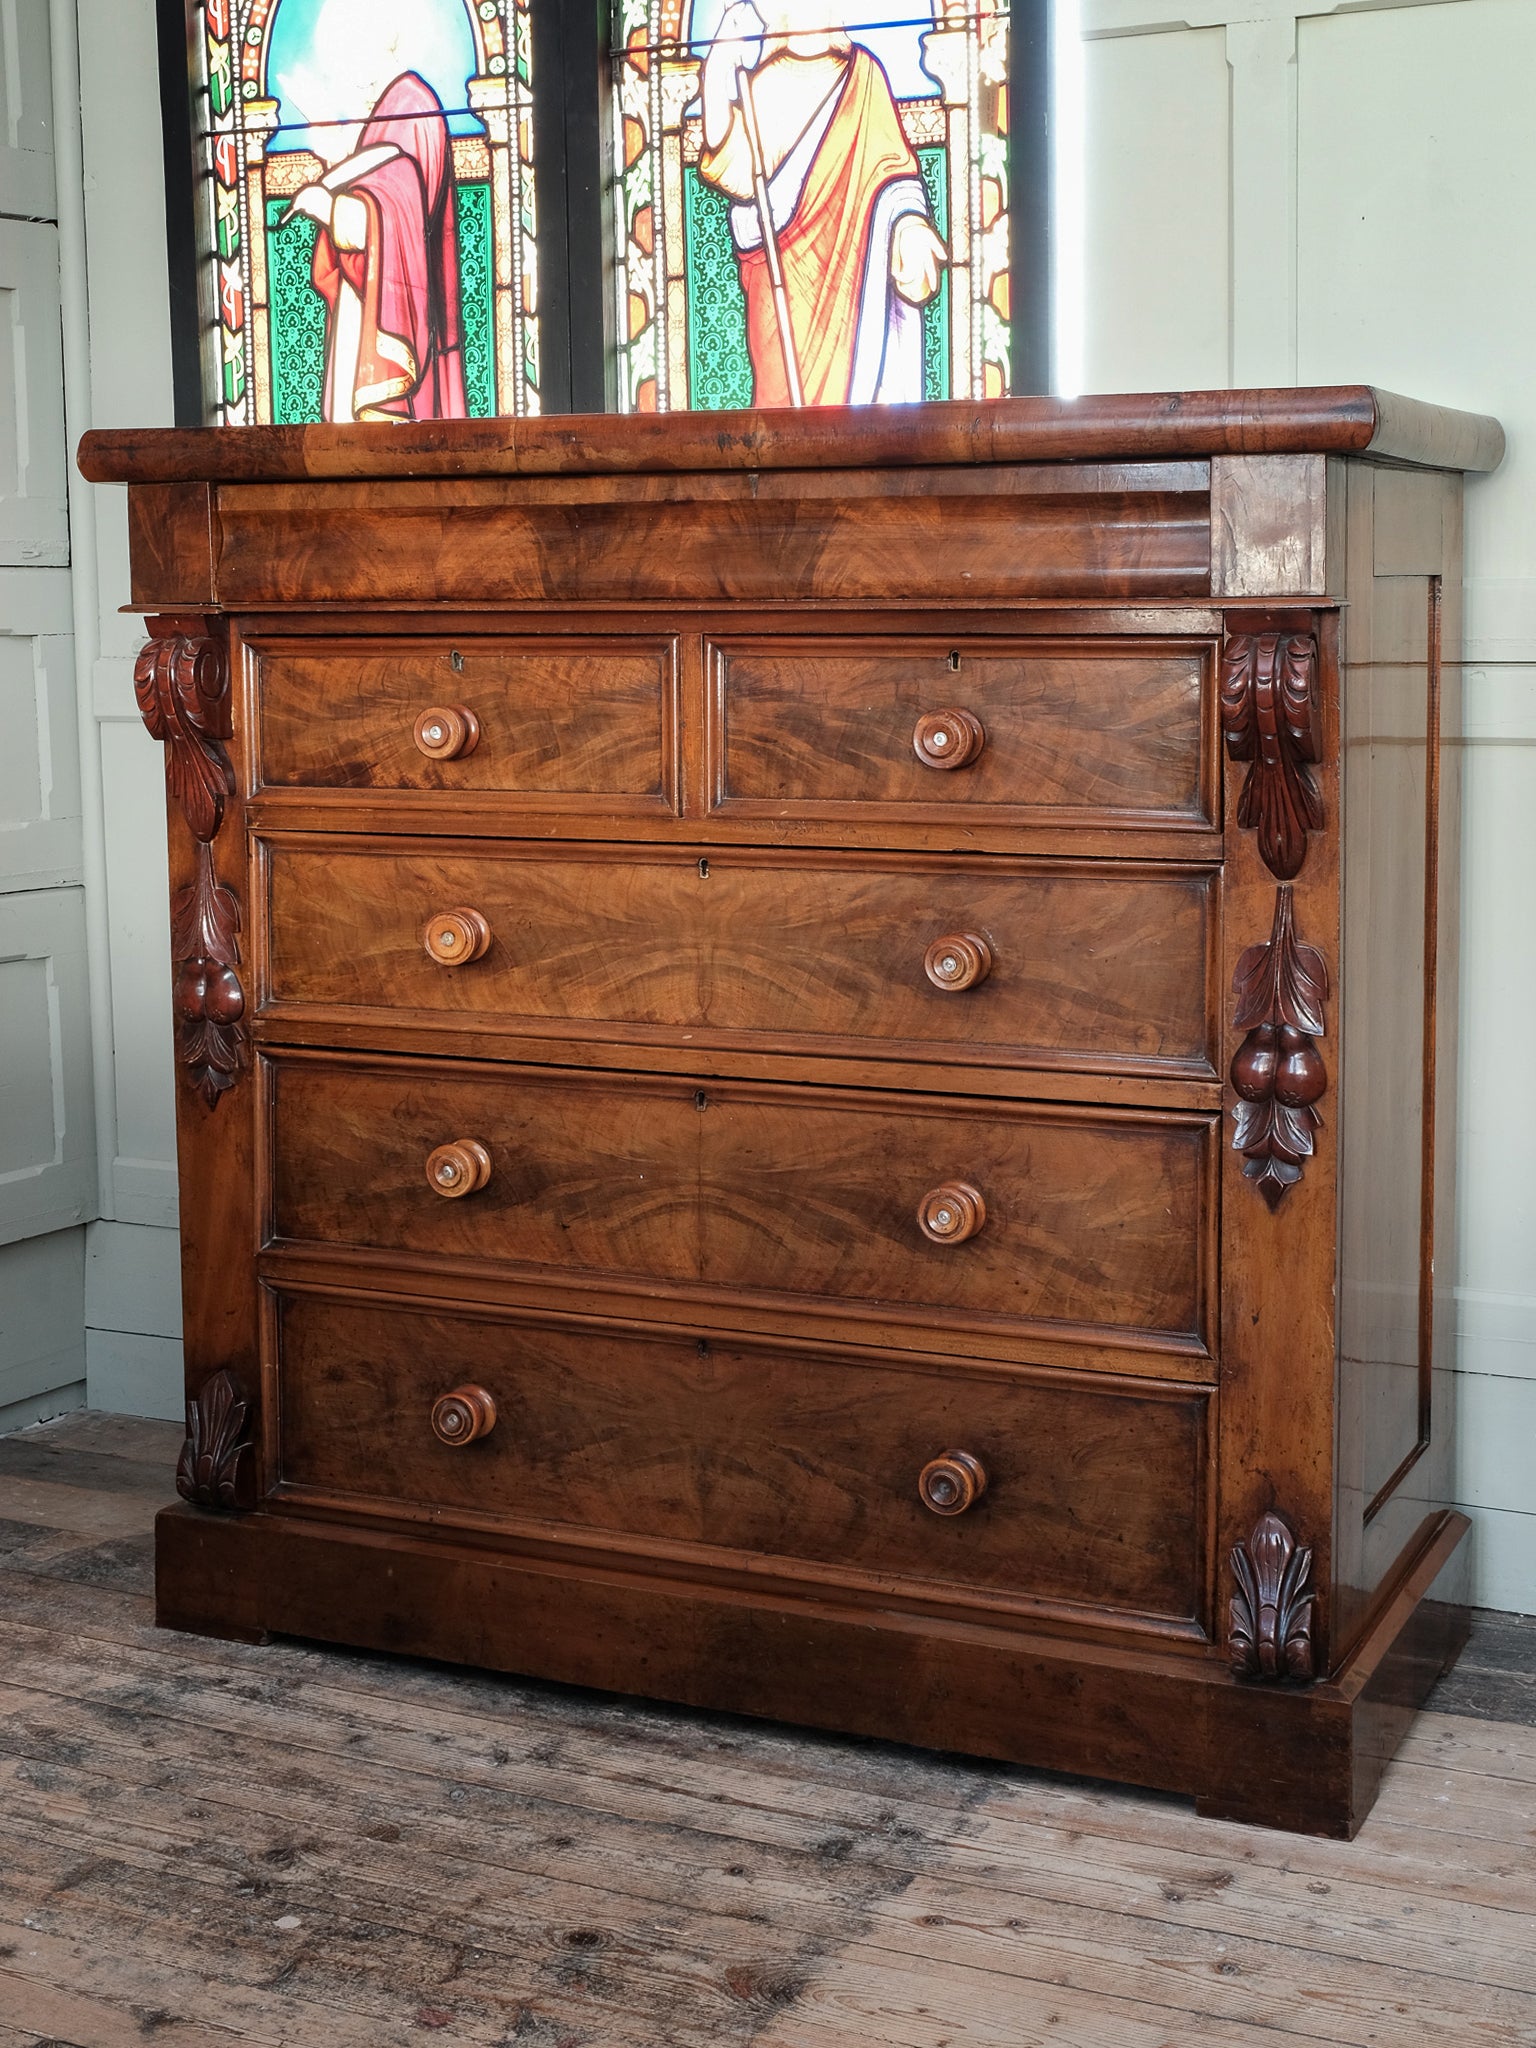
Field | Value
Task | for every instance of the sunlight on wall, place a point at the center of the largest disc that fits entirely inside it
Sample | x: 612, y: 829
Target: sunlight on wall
x: 1067, y: 179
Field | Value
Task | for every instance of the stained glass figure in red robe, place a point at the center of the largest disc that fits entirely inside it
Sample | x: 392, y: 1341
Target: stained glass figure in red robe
x: 837, y: 250
x: 386, y: 264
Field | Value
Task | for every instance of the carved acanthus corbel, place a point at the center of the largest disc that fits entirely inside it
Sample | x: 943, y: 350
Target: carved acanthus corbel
x: 182, y: 683
x: 1270, y: 718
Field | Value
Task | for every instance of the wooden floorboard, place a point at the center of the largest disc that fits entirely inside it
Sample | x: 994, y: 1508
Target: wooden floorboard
x: 207, y: 1843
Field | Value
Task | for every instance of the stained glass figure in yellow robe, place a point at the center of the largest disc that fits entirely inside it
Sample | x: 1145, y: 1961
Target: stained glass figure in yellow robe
x: 829, y: 214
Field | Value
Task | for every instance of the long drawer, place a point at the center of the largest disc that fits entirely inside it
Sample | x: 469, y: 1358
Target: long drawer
x: 1059, y: 964
x: 1088, y: 1493
x: 1094, y: 1224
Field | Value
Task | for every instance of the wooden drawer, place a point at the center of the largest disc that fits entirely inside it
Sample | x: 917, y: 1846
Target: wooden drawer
x: 1085, y: 733
x: 1090, y: 965
x: 677, y: 1446
x: 561, y: 721
x: 1097, y: 1222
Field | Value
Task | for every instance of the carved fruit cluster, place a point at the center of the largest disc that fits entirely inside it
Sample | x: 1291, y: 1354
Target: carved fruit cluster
x: 1278, y: 1072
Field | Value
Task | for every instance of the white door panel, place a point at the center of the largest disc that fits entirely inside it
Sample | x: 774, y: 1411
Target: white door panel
x: 40, y: 760
x: 47, y: 1143
x: 26, y: 112
x: 34, y: 522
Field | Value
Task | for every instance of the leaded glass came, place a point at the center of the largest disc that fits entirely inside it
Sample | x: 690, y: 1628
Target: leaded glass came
x: 368, y: 173
x: 812, y: 201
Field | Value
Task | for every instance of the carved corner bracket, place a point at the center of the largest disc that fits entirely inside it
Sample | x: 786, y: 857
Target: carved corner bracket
x: 182, y: 683
x: 181, y: 680
x: 1270, y: 718
x: 1269, y: 1634
x: 211, y: 1472
x: 1281, y: 988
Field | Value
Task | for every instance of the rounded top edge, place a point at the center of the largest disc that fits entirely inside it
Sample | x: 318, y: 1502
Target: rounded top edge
x: 1328, y: 419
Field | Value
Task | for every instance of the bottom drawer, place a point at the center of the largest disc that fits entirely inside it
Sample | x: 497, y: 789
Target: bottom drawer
x: 1093, y: 1490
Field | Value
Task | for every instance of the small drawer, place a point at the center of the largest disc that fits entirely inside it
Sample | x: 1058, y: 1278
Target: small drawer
x: 1086, y: 964
x: 554, y: 722
x: 745, y: 1453
x: 1067, y: 733
x: 1090, y: 1225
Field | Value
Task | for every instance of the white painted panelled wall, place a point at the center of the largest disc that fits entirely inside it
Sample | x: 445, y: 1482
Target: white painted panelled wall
x: 1289, y: 193
x: 1276, y: 193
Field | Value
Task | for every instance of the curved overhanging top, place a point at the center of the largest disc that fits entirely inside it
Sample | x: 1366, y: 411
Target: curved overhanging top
x: 1342, y: 419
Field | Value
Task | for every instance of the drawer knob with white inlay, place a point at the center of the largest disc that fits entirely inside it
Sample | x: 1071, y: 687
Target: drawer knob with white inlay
x: 948, y: 739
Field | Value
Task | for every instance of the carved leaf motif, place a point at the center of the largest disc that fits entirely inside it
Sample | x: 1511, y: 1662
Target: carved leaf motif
x: 1269, y: 714
x: 211, y: 1035
x: 182, y: 684
x: 1270, y: 1621
x: 1278, y: 1072
x: 212, y: 1458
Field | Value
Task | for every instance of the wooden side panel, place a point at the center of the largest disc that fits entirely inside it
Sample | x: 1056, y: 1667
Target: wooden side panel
x: 733, y: 1456
x: 1084, y: 966
x: 1094, y: 1223
x: 1400, y: 835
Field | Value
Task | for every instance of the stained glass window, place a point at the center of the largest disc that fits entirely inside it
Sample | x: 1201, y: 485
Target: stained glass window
x: 812, y: 201
x: 367, y: 172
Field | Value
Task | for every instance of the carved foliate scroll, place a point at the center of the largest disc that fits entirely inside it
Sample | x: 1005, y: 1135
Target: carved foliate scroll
x: 1278, y: 1072
x: 182, y: 683
x: 1270, y: 717
x: 1269, y: 1632
x: 181, y: 680
x: 211, y: 1469
x: 211, y: 1036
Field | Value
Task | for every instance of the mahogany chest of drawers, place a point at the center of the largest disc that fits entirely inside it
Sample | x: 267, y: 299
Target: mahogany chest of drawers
x: 815, y: 1061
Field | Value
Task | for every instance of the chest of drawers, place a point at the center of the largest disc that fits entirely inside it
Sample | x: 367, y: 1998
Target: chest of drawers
x: 815, y: 1062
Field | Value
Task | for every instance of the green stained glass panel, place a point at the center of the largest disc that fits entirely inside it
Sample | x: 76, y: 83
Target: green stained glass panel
x: 719, y: 368
x: 477, y: 318
x: 297, y: 319
x: 934, y: 165
x: 297, y: 311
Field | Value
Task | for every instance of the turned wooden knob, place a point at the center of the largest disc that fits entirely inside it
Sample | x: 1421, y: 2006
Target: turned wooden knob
x: 456, y: 936
x: 958, y: 960
x: 952, y: 1482
x: 463, y: 1415
x: 458, y: 1169
x: 444, y: 732
x: 948, y: 739
x: 951, y: 1212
